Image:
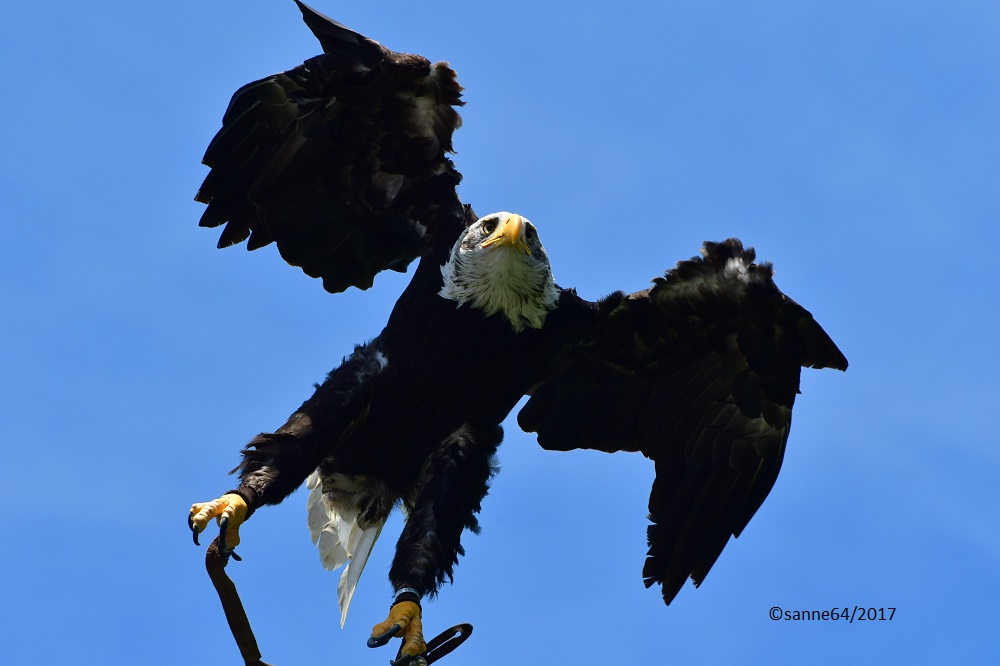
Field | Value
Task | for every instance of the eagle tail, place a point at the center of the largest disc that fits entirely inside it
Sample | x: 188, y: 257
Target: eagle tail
x: 360, y: 547
x: 340, y: 540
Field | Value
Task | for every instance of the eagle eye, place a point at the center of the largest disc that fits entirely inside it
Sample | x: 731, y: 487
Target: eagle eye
x: 530, y: 234
x: 489, y: 226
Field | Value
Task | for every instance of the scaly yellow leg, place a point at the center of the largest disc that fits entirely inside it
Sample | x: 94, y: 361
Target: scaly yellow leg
x: 406, y: 615
x: 231, y: 507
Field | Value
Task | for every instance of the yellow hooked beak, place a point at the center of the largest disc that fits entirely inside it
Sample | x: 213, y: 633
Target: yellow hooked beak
x: 510, y: 233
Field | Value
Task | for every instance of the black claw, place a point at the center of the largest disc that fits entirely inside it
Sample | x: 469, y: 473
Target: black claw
x: 407, y: 659
x: 382, y: 639
x: 223, y: 524
x: 194, y: 530
x: 226, y: 552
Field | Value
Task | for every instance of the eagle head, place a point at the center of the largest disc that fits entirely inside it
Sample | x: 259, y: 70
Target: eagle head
x: 499, y: 265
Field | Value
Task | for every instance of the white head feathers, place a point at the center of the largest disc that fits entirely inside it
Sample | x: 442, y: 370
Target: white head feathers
x: 499, y: 265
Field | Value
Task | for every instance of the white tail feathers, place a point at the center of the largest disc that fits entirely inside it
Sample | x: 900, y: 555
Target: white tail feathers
x: 340, y: 540
x: 362, y: 542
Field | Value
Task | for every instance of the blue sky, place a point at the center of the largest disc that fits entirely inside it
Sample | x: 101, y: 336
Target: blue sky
x: 854, y: 144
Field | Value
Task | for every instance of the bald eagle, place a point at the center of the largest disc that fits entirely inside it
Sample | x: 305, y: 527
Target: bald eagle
x: 342, y: 162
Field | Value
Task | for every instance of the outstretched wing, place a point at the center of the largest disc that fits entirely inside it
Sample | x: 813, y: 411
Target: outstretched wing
x: 340, y: 161
x: 698, y: 373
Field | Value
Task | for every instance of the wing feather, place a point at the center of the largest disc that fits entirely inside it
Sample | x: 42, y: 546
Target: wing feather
x: 699, y: 373
x: 340, y: 161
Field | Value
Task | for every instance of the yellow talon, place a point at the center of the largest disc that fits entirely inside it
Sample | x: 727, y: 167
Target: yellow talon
x: 228, y: 506
x: 407, y: 615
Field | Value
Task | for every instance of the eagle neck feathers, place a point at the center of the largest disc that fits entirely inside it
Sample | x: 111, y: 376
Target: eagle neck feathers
x: 493, y: 282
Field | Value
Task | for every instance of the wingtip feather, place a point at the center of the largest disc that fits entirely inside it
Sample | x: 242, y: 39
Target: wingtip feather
x: 333, y: 36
